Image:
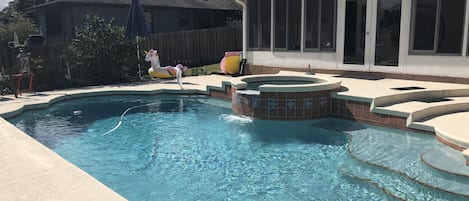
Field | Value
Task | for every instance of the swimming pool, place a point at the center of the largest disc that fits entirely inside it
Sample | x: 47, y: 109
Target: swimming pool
x: 193, y: 148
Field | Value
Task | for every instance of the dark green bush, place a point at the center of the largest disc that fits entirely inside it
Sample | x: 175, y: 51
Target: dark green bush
x: 101, y: 51
x: 16, y: 23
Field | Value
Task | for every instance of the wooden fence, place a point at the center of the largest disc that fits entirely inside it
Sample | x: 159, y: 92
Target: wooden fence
x: 195, y: 48
x: 46, y: 62
x: 191, y: 48
x: 50, y: 55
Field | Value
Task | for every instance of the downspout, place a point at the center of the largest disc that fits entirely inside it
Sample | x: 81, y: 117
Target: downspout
x: 245, y: 26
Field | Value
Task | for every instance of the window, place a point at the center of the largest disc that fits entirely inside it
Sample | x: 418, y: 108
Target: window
x: 388, y: 30
x: 259, y: 17
x: 328, y: 24
x: 312, y: 24
x: 280, y: 25
x: 287, y: 24
x: 437, y: 26
x: 320, y: 23
x: 294, y: 25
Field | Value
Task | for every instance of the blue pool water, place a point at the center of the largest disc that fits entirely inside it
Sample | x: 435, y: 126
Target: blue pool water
x: 193, y: 148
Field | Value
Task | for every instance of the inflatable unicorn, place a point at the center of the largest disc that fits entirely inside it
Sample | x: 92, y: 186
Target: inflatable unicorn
x: 163, y: 72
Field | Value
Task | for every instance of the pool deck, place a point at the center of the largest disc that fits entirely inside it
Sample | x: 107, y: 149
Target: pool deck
x: 30, y: 171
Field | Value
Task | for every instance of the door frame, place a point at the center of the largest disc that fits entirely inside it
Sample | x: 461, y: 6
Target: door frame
x: 370, y: 38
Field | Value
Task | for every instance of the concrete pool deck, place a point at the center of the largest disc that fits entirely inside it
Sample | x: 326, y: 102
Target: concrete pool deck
x: 30, y: 171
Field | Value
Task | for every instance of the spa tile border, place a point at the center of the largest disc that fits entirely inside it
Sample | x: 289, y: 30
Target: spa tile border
x: 283, y: 105
x: 296, y: 106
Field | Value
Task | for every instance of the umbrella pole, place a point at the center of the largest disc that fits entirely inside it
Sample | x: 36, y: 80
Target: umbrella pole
x: 138, y: 58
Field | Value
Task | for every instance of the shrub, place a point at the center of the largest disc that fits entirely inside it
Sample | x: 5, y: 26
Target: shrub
x: 101, y: 51
x: 23, y: 26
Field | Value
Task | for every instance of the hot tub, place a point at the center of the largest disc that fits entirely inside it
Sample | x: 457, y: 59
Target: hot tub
x: 297, y: 96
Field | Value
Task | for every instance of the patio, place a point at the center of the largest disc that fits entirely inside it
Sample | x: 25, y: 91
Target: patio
x: 32, y: 171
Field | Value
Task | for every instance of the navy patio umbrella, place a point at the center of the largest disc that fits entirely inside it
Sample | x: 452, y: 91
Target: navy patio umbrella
x: 136, y: 27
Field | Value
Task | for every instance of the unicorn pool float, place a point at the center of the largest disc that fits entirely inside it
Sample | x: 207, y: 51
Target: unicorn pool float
x: 157, y: 71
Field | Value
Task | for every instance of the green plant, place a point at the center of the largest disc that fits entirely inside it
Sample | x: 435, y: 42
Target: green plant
x: 102, y: 52
x: 23, y: 26
x: 22, y: 5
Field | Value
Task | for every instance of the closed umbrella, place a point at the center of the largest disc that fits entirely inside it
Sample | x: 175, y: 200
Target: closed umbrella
x: 136, y: 27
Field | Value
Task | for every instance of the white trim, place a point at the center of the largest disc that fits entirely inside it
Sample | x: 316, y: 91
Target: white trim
x: 405, y: 36
x: 245, y: 27
x: 372, y: 9
x: 340, y: 33
x: 466, y: 30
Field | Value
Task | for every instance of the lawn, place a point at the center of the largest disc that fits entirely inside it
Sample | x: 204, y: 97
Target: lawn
x: 205, y: 70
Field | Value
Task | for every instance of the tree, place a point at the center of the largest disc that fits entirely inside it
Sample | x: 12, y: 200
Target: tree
x: 18, y: 23
x: 21, y: 5
x: 14, y: 18
x: 101, y: 50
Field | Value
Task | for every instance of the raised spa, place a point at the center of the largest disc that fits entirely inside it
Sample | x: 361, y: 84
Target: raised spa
x: 283, y: 96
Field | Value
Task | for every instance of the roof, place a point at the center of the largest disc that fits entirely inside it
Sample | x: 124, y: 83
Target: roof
x: 199, y: 4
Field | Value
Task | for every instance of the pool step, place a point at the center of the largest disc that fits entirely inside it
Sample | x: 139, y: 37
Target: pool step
x: 402, y: 155
x: 399, y: 152
x: 452, y: 128
x: 446, y: 160
x: 214, y: 102
x: 430, y: 96
x: 443, y: 116
x: 393, y: 184
x: 420, y: 109
x: 465, y: 153
x: 370, y: 176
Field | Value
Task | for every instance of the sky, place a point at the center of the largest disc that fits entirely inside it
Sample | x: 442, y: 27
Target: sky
x: 3, y: 4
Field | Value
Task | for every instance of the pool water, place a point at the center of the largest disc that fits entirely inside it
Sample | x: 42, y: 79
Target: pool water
x: 193, y: 148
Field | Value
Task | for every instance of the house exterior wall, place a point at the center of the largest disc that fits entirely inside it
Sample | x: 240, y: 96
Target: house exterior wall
x: 67, y: 23
x: 167, y: 20
x: 293, y: 59
x: 118, y: 14
x: 161, y: 19
x: 415, y: 63
x: 42, y: 23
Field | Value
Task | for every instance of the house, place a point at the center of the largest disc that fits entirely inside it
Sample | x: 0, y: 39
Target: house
x: 395, y: 37
x: 59, y: 19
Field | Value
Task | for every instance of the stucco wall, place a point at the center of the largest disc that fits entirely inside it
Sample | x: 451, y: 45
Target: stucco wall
x: 293, y: 59
x: 451, y: 66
